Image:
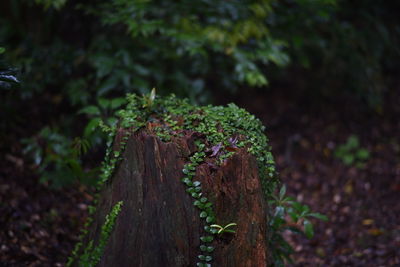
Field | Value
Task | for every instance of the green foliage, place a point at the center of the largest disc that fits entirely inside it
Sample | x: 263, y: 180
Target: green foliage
x: 109, y: 164
x: 229, y: 36
x: 135, y: 45
x: 288, y: 215
x: 92, y: 254
x: 76, y: 55
x: 351, y: 153
x: 60, y: 157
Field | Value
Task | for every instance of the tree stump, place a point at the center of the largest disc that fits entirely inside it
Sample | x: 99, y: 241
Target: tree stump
x: 159, y: 225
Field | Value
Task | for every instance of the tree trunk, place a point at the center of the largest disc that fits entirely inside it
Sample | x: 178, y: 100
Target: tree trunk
x: 159, y: 225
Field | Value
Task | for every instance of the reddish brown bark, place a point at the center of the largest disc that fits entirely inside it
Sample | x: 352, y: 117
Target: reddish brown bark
x: 158, y: 224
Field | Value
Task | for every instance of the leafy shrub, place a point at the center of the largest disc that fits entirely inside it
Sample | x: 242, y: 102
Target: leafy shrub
x: 288, y: 215
x: 351, y: 153
x: 59, y: 159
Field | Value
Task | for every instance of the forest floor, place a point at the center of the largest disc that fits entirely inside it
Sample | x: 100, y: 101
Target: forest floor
x: 362, y: 202
x: 40, y: 225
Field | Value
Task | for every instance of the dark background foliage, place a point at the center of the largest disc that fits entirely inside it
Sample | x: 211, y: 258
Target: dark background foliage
x: 76, y: 60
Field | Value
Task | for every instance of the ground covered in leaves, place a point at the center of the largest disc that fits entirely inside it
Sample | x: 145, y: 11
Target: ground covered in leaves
x: 40, y: 225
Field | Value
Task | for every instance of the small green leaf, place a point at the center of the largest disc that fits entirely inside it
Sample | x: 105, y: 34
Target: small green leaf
x: 202, y: 257
x: 196, y: 183
x: 363, y: 154
x: 153, y: 94
x: 90, y: 110
x: 308, y: 229
x: 203, y: 199
x: 319, y: 216
x: 230, y: 225
x: 210, y: 249
x: 203, y: 214
x: 187, y: 181
x: 207, y: 228
x: 282, y: 192
x: 208, y: 205
x: 117, y: 102
x: 190, y: 189
x: 91, y: 126
x: 208, y: 258
x: 348, y: 159
x: 294, y: 216
x: 104, y: 103
x: 190, y: 167
x: 214, y: 231
x: 297, y: 206
x: 353, y: 142
x: 206, y: 239
x: 203, y: 248
x: 210, y: 219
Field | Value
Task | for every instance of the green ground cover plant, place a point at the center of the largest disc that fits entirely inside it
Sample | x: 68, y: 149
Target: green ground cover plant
x: 351, y: 153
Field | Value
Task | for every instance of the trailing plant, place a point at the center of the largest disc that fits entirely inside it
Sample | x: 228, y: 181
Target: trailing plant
x: 223, y: 130
x: 112, y: 157
x: 92, y: 254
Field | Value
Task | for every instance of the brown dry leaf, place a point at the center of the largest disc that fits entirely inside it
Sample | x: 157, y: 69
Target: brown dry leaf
x: 367, y: 222
x: 348, y: 188
x: 232, y: 149
x: 327, y: 152
x: 26, y: 250
x: 305, y: 143
x: 150, y: 126
x: 375, y: 231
